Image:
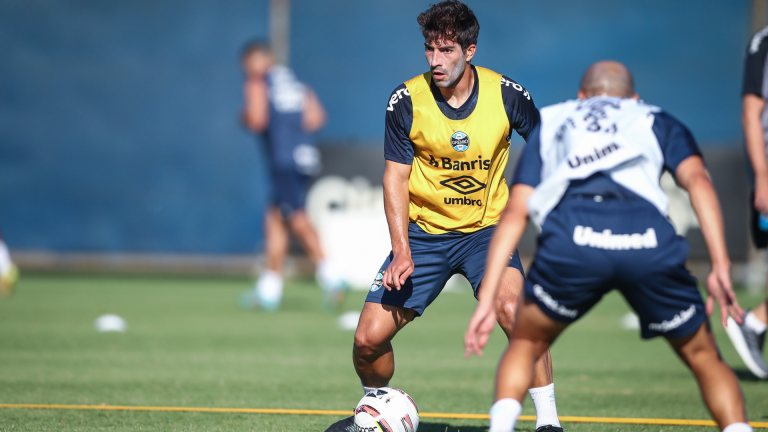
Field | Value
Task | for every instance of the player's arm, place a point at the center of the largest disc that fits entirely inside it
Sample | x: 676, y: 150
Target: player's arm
x: 693, y: 177
x: 521, y: 112
x: 256, y: 110
x: 506, y: 237
x: 314, y: 117
x: 398, y: 152
x: 751, y: 112
x: 396, y: 203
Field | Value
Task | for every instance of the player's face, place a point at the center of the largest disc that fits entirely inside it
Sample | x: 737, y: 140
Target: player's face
x: 257, y: 64
x: 446, y: 61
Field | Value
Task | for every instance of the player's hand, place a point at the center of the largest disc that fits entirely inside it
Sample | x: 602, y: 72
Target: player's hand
x: 761, y: 195
x: 719, y: 288
x: 398, y: 272
x: 480, y: 327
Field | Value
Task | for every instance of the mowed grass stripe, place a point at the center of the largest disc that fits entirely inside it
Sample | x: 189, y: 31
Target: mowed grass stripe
x: 565, y: 419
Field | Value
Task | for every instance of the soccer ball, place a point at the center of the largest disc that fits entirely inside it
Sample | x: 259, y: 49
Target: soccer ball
x: 388, y: 409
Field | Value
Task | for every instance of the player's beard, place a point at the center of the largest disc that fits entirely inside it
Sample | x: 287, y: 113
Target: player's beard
x: 453, y: 76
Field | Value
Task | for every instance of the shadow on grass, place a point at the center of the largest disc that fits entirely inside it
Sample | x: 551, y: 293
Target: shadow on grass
x: 444, y: 427
x: 745, y: 375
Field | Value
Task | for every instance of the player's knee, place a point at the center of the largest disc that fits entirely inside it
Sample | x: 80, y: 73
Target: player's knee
x: 506, y: 311
x: 366, y: 344
x: 300, y: 222
x: 697, y: 349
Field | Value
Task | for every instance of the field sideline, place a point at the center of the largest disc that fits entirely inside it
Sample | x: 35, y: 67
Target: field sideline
x: 189, y: 346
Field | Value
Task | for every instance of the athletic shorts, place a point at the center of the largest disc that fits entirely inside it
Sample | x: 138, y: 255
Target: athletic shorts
x: 587, y: 248
x: 289, y: 190
x: 437, y: 257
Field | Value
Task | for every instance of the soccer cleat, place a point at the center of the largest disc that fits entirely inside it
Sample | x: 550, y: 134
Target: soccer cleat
x: 333, y: 297
x: 8, y: 281
x: 749, y: 345
x: 549, y: 428
x: 250, y: 300
x: 344, y: 425
x: 333, y: 284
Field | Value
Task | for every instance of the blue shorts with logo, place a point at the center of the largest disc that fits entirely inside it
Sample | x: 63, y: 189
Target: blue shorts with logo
x: 437, y: 257
x: 587, y: 248
x: 289, y: 190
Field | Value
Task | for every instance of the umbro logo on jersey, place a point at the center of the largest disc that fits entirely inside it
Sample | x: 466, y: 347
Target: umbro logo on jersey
x: 396, y: 96
x: 464, y: 185
x: 463, y: 201
x: 460, y: 141
x: 516, y: 86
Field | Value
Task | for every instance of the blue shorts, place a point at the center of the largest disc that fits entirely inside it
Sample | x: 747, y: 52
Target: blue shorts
x: 587, y: 248
x: 289, y: 190
x: 437, y: 257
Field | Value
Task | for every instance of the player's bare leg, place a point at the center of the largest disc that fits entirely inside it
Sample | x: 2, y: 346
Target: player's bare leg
x: 268, y: 292
x: 510, y: 290
x: 327, y: 275
x: 305, y: 232
x: 372, y: 352
x: 276, y: 239
x: 531, y: 338
x: 719, y: 385
x: 542, y: 387
x: 761, y: 312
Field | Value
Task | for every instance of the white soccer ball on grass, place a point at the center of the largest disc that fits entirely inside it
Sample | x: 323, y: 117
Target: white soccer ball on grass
x: 388, y: 409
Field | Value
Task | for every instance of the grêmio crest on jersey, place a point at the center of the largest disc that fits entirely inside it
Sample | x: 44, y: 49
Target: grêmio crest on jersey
x: 460, y: 141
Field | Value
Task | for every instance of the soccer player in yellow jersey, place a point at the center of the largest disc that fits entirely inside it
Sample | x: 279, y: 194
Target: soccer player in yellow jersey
x: 446, y: 146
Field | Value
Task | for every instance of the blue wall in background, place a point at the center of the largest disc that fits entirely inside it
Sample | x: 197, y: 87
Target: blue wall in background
x: 686, y: 55
x: 119, y: 126
x: 119, y: 121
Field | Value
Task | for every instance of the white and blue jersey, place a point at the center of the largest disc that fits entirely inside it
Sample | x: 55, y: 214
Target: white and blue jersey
x: 595, y: 166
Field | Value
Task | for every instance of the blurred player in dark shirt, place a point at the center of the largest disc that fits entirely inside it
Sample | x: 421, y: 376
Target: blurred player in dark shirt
x: 749, y: 337
x: 286, y: 112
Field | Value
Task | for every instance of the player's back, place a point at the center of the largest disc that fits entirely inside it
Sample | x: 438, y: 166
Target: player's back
x: 602, y: 146
x: 595, y: 165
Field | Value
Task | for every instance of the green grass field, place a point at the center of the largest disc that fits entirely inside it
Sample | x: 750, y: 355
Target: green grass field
x: 189, y: 345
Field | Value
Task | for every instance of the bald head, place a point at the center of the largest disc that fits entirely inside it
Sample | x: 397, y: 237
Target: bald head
x: 609, y: 78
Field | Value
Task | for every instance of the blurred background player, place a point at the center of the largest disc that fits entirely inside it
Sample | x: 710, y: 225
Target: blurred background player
x: 589, y: 177
x: 749, y: 338
x: 9, y: 273
x: 286, y: 112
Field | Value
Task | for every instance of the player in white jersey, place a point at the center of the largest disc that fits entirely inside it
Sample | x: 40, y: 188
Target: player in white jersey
x: 589, y: 178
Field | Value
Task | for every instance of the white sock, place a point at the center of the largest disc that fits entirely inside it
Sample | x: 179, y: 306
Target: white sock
x: 269, y: 288
x: 738, y: 427
x: 754, y: 323
x: 367, y: 389
x: 5, y: 258
x: 544, y: 401
x: 504, y: 414
x: 328, y: 275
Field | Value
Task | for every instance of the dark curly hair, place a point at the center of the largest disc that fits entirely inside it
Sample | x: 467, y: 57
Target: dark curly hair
x: 449, y: 20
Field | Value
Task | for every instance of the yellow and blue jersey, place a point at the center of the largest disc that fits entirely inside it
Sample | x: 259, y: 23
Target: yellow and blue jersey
x: 458, y: 155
